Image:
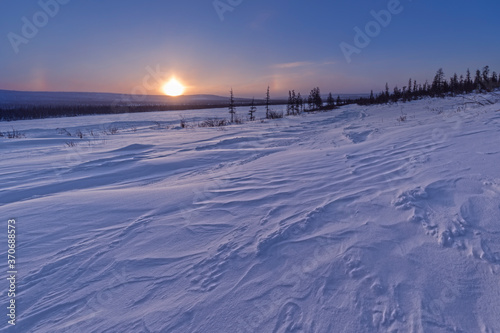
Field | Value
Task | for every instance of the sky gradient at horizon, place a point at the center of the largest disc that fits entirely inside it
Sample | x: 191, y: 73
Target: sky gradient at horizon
x: 133, y: 47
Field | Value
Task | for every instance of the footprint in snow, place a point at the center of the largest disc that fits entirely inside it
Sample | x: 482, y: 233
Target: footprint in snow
x: 472, y: 224
x: 289, y: 319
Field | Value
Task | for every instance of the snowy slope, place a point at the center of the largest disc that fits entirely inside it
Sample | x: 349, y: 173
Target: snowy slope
x: 345, y: 221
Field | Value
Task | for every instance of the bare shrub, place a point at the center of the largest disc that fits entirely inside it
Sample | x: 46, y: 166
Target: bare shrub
x: 79, y: 134
x: 110, y: 130
x: 113, y: 130
x: 183, y: 122
x: 275, y: 114
x: 157, y: 126
x: 402, y: 117
x: 63, y: 131
x: 213, y: 122
x: 238, y: 120
x: 14, y: 134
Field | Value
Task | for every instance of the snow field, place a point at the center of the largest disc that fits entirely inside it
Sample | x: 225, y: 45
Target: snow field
x: 344, y: 221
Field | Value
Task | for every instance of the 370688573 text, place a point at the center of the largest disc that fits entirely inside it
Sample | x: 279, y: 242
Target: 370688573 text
x: 11, y: 271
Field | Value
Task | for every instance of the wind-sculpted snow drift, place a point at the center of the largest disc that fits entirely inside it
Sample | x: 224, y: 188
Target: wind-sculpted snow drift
x: 344, y: 221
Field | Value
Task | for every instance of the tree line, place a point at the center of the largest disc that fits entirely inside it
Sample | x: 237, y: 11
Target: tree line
x: 15, y: 112
x: 296, y: 104
x: 25, y: 112
x: 483, y: 81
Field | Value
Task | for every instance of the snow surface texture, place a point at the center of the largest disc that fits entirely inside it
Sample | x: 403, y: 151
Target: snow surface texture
x: 344, y: 221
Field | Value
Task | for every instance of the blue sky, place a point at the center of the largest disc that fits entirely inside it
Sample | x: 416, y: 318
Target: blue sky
x: 120, y: 46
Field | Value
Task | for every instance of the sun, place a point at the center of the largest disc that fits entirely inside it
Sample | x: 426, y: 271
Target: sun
x: 173, y: 88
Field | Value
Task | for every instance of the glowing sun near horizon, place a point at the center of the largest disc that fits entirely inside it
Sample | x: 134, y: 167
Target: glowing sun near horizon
x: 173, y: 88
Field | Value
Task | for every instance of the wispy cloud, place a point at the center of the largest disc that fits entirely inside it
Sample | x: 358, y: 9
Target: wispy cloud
x: 293, y: 64
x: 298, y: 64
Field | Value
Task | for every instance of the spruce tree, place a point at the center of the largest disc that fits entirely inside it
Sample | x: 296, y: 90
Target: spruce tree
x: 494, y: 77
x: 426, y: 88
x: 268, y: 101
x: 316, y: 99
x: 330, y: 101
x: 232, y: 110
x: 486, y: 74
x: 477, y: 80
x: 454, y: 84
x: 289, y: 105
x: 409, y: 91
x: 298, y: 103
x: 437, y: 83
x: 445, y: 89
x: 469, y: 86
x: 396, y: 95
x: 252, y: 110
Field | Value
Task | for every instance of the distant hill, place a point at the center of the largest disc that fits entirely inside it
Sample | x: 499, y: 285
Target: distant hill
x: 11, y: 98
x: 17, y: 105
